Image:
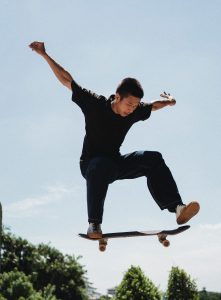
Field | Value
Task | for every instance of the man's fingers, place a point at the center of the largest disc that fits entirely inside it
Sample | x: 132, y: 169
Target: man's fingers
x: 37, y: 47
x: 37, y: 44
x: 163, y: 95
x: 32, y: 45
x: 166, y: 95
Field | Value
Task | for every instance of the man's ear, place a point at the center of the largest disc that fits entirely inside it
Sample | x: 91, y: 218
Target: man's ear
x: 117, y: 98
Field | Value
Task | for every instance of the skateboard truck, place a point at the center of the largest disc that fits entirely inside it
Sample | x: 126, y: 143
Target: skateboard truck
x: 163, y: 239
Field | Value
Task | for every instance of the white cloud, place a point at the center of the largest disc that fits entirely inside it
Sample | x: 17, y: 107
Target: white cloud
x: 211, y: 226
x: 32, y: 205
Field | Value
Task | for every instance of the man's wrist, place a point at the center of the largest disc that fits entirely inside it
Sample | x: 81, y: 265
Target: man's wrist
x: 44, y: 54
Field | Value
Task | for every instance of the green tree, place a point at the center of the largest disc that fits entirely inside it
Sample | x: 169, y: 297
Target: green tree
x: 0, y: 234
x: 181, y: 286
x: 16, y: 285
x: 45, y: 265
x: 135, y: 285
x: 204, y: 295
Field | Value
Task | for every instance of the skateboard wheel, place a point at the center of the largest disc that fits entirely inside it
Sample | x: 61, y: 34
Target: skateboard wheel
x: 102, y: 248
x: 102, y: 245
x: 166, y: 243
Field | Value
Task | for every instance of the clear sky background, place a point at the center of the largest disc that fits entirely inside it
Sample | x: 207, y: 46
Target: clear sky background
x: 168, y: 45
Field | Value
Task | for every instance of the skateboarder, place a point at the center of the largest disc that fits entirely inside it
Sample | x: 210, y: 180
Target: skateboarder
x: 101, y: 163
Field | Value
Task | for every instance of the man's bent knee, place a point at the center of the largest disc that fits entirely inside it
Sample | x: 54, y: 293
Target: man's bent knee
x: 153, y: 158
x: 102, y: 167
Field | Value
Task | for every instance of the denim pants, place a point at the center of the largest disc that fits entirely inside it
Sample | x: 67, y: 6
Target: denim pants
x: 100, y: 171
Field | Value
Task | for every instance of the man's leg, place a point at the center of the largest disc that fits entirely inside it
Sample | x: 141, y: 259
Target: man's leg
x: 99, y: 172
x: 160, y: 181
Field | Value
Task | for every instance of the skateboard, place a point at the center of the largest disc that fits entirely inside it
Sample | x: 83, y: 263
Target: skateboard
x: 161, y: 234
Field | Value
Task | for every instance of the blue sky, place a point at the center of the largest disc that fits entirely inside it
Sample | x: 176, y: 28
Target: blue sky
x: 168, y: 45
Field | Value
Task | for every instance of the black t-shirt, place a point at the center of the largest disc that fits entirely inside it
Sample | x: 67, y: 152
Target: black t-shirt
x: 105, y: 130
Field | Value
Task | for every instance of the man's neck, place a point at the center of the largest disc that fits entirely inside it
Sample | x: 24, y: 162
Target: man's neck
x: 114, y: 108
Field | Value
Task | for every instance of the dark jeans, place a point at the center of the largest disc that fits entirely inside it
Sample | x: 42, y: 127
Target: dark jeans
x: 100, y: 171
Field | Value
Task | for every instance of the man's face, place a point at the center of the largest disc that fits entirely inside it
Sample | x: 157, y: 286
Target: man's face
x: 127, y: 105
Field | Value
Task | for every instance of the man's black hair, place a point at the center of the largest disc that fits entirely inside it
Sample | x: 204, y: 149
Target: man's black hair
x: 130, y: 86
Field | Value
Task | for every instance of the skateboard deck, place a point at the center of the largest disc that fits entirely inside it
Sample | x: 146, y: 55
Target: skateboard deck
x: 161, y: 234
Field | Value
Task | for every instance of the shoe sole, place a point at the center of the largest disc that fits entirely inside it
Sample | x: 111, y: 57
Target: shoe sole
x: 188, y: 212
x: 94, y: 235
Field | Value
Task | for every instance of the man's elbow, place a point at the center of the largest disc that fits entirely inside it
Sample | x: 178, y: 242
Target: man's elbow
x: 67, y: 83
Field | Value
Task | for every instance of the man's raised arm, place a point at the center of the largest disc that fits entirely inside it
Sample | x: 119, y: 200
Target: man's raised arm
x: 158, y: 104
x: 63, y: 76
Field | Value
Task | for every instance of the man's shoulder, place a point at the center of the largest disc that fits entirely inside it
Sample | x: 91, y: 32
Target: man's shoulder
x: 143, y: 111
x: 101, y: 99
x: 86, y: 98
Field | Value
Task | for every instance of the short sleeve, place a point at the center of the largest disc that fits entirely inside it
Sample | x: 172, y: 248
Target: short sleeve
x: 84, y: 98
x: 143, y: 111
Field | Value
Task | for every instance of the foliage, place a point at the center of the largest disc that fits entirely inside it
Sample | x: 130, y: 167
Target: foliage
x: 135, y: 285
x: 204, y: 295
x: 181, y: 286
x: 16, y: 285
x: 0, y: 233
x: 45, y: 267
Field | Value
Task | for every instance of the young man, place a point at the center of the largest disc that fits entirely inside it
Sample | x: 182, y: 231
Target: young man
x: 107, y: 123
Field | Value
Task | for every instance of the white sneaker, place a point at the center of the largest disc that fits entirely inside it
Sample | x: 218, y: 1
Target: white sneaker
x: 94, y: 231
x: 185, y: 212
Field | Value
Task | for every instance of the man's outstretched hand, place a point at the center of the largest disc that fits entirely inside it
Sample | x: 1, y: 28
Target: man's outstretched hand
x: 168, y: 97
x: 38, y: 47
x: 63, y: 76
